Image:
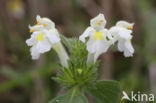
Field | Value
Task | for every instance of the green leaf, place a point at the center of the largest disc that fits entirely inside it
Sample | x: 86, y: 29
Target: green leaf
x: 71, y: 97
x: 76, y: 48
x: 105, y: 91
x: 67, y: 41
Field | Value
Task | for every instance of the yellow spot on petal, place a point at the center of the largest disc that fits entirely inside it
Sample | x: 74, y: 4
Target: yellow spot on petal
x: 44, y: 25
x: 99, y: 22
x: 79, y: 70
x: 31, y: 30
x: 98, y: 35
x: 130, y: 27
x: 40, y: 37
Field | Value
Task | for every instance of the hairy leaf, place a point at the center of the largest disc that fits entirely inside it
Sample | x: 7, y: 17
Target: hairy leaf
x: 71, y: 97
x: 105, y: 91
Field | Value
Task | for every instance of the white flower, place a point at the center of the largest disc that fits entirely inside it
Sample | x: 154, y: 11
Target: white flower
x: 122, y: 33
x: 100, y: 38
x: 43, y: 41
x: 44, y: 37
x: 98, y: 23
x: 40, y: 42
x: 99, y: 42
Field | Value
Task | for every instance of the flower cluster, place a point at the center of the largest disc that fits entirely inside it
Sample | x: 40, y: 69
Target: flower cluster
x: 100, y: 38
x: 122, y: 33
x: 79, y: 72
x: 45, y: 36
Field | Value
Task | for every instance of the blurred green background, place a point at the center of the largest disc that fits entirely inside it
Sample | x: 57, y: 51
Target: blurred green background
x: 25, y: 81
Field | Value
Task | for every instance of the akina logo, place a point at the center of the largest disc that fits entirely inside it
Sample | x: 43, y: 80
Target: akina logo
x: 138, y: 97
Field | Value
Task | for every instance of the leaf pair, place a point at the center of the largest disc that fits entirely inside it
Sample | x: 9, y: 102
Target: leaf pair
x: 104, y: 91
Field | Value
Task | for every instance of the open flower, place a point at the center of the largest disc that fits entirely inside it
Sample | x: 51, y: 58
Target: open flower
x: 98, y: 23
x: 100, y: 38
x: 122, y: 33
x: 44, y: 37
x: 41, y: 41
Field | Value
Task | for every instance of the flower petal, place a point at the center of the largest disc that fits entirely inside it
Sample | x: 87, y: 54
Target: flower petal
x: 86, y: 33
x: 98, y: 22
x: 47, y: 23
x: 31, y: 41
x: 92, y: 45
x: 34, y: 53
x: 36, y: 27
x: 97, y: 46
x: 127, y: 53
x: 129, y: 47
x: 38, y: 17
x: 121, y: 45
x: 53, y: 36
x: 43, y: 46
x: 126, y: 47
x: 124, y: 24
x: 114, y: 32
x: 124, y: 33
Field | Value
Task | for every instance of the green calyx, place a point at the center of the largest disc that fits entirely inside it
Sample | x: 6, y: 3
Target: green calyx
x: 78, y: 73
x: 71, y: 77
